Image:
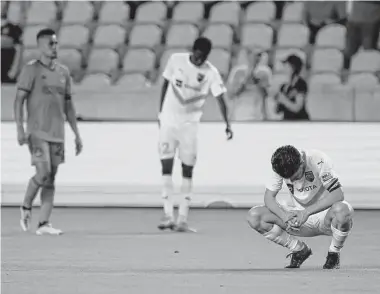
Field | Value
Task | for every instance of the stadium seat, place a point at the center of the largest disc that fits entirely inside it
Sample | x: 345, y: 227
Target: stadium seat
x: 131, y: 82
x: 15, y: 11
x: 366, y: 61
x: 114, y: 12
x: 331, y: 102
x: 367, y: 107
x: 30, y: 35
x: 139, y: 60
x: 109, y: 36
x: 94, y: 81
x: 327, y: 60
x: 257, y: 36
x: 293, y: 12
x: 221, y: 60
x: 145, y: 36
x: 363, y: 80
x: 43, y: 13
x: 260, y: 11
x: 78, y: 12
x: 221, y: 35
x: 281, y: 54
x: 103, y: 61
x: 28, y: 54
x: 225, y: 12
x: 293, y: 35
x: 166, y: 55
x: 332, y: 36
x: 324, y: 81
x: 189, y: 12
x: 71, y: 58
x: 73, y: 36
x: 151, y: 12
x: 181, y: 35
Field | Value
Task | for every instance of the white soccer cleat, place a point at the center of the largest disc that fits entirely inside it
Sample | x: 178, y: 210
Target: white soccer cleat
x: 48, y: 230
x: 26, y: 219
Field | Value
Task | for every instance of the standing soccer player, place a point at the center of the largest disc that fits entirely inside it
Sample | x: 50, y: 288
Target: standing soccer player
x: 45, y: 85
x: 319, y: 206
x: 188, y: 80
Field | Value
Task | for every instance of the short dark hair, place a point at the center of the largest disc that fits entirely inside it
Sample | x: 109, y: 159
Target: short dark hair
x: 286, y: 160
x: 295, y: 62
x: 203, y: 44
x: 45, y: 32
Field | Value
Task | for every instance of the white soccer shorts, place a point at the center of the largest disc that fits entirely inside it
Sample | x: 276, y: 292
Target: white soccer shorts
x: 179, y: 137
x: 315, y: 225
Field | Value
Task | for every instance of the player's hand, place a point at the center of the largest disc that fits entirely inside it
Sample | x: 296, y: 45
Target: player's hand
x: 78, y: 145
x: 229, y: 132
x: 300, y: 218
x: 22, y: 138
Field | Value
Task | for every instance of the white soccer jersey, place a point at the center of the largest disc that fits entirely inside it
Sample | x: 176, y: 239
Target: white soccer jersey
x: 188, y: 89
x: 319, y: 177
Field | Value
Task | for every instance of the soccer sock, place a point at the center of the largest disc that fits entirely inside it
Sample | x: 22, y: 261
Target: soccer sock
x: 280, y: 237
x: 338, y: 239
x: 186, y: 190
x: 31, y: 193
x: 167, y: 195
x: 47, y: 203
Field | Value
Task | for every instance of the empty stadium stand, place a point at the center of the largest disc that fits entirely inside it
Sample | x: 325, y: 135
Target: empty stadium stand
x: 126, y: 46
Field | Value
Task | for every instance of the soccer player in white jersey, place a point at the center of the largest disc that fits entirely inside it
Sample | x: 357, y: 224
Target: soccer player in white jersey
x: 319, y: 205
x: 189, y: 78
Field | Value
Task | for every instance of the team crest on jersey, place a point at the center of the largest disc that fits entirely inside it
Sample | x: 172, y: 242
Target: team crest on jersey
x: 309, y: 176
x: 291, y: 188
x: 200, y: 77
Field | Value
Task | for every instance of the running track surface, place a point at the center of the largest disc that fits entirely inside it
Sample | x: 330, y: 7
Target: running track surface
x: 113, y: 251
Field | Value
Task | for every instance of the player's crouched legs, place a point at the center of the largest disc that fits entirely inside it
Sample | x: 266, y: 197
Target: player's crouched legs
x: 340, y: 219
x: 262, y: 220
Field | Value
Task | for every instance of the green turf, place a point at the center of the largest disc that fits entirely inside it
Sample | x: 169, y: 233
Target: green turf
x: 113, y: 251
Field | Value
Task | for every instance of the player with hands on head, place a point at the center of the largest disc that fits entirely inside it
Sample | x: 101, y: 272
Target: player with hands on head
x: 189, y: 78
x: 319, y: 205
x: 45, y: 86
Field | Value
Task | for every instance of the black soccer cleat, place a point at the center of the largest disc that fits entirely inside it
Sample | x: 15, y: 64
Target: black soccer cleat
x: 299, y: 257
x: 167, y: 223
x: 332, y: 261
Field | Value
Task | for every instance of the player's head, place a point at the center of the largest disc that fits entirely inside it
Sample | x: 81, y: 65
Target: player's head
x: 288, y: 163
x: 47, y: 43
x: 293, y: 65
x: 201, y: 49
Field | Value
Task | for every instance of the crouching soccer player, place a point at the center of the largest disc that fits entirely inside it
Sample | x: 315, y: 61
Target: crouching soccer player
x: 319, y: 206
x: 188, y: 80
x: 46, y: 87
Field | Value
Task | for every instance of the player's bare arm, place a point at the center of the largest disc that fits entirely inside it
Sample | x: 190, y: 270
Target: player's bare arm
x: 21, y: 96
x: 224, y: 110
x: 163, y: 93
x: 272, y: 204
x: 71, y: 118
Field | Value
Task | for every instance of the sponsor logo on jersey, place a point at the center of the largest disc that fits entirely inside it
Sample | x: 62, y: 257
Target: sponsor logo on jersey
x: 326, y: 177
x: 178, y: 83
x: 291, y: 188
x: 200, y: 77
x: 307, y: 188
x: 309, y: 176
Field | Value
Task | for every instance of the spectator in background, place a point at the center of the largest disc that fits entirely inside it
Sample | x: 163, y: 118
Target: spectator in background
x: 317, y: 14
x: 10, y: 50
x: 291, y: 100
x: 248, y: 88
x: 362, y: 28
